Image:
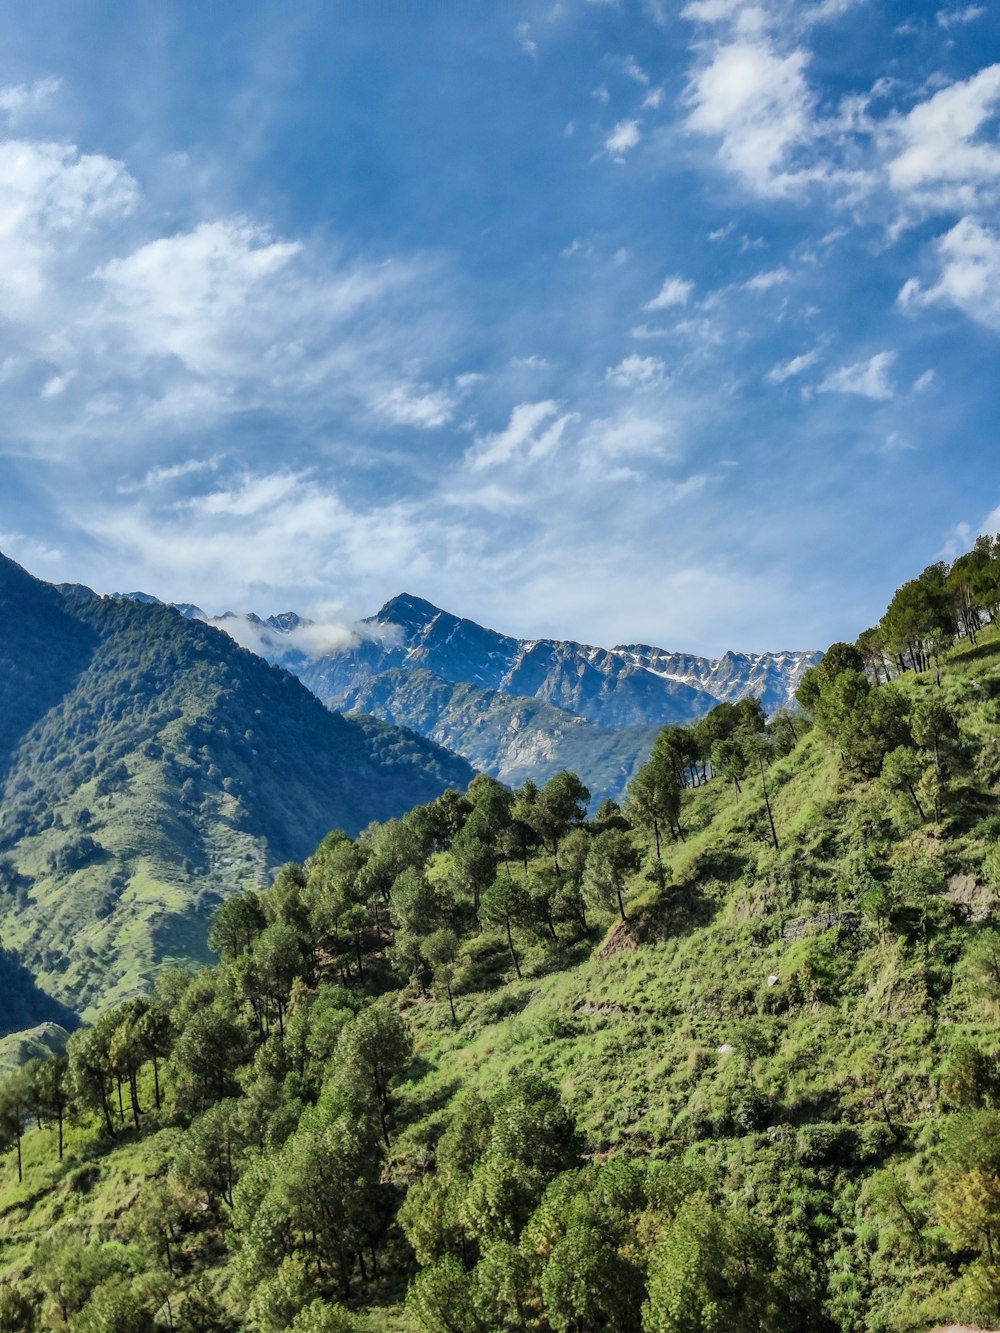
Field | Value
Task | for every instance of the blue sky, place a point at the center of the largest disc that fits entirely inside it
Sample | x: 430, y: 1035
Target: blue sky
x: 621, y: 321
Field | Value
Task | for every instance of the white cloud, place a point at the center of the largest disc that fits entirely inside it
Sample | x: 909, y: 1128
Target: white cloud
x: 628, y: 436
x: 527, y: 44
x: 622, y: 138
x: 867, y: 379
x: 675, y: 291
x: 785, y: 370
x: 721, y: 233
x: 712, y: 11
x: 634, y: 71
x: 57, y: 385
x: 636, y: 372
x: 924, y: 381
x: 16, y: 99
x: 530, y: 435
x: 309, y: 637
x: 969, y: 257
x: 938, y: 161
x: 422, y: 407
x: 950, y: 18
x: 763, y: 282
x: 653, y: 100
x: 757, y: 103
x: 197, y: 296
x: 163, y: 475
x: 51, y: 198
x: 642, y: 332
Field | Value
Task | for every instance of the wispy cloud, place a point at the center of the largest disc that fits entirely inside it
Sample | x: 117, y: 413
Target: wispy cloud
x: 634, y: 71
x: 421, y: 406
x: 533, y: 432
x: 674, y: 292
x: 763, y: 282
x: 952, y: 18
x: 797, y: 365
x: 19, y: 99
x: 866, y: 379
x: 624, y: 137
x: 637, y: 372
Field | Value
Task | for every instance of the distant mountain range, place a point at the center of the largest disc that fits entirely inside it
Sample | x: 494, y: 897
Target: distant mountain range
x: 149, y: 766
x: 516, y: 708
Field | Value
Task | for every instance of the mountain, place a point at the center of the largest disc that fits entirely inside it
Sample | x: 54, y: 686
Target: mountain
x: 752, y: 1090
x: 149, y: 766
x: 511, y: 737
x: 518, y: 707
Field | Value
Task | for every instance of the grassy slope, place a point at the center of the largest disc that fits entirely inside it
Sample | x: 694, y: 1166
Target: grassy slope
x: 633, y: 1036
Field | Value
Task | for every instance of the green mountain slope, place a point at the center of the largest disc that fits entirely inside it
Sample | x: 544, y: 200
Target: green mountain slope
x: 153, y: 767
x: 488, y: 1066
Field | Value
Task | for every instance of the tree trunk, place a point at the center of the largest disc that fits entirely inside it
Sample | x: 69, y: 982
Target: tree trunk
x: 510, y: 946
x: 916, y: 802
x: 767, y: 805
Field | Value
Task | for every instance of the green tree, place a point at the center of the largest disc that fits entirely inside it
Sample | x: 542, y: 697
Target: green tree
x: 236, y: 925
x: 560, y: 804
x: 374, y: 1050
x: 729, y: 761
x: 532, y: 1138
x: 968, y: 1195
x: 757, y: 749
x: 710, y: 1273
x: 441, y: 948
x: 507, y: 903
x: 654, y: 801
x: 440, y: 1299
x: 612, y: 859
x: 902, y: 770
x: 17, y: 1312
x: 114, y: 1307
x: 969, y: 1078
x: 15, y: 1106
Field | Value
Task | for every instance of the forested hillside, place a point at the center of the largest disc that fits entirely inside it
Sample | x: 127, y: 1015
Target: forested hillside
x: 148, y: 768
x: 725, y: 1058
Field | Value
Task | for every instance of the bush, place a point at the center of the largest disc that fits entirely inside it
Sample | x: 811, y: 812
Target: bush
x: 825, y: 1145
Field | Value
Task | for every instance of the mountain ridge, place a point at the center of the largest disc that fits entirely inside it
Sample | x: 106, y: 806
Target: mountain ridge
x: 542, y: 703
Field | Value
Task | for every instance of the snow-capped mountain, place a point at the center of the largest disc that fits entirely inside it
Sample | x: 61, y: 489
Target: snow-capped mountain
x: 514, y: 707
x: 615, y: 687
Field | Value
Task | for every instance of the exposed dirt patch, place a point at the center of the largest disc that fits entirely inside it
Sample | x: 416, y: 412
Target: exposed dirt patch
x: 623, y: 939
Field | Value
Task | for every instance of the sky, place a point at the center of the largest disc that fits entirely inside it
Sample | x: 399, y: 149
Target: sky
x: 614, y: 320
